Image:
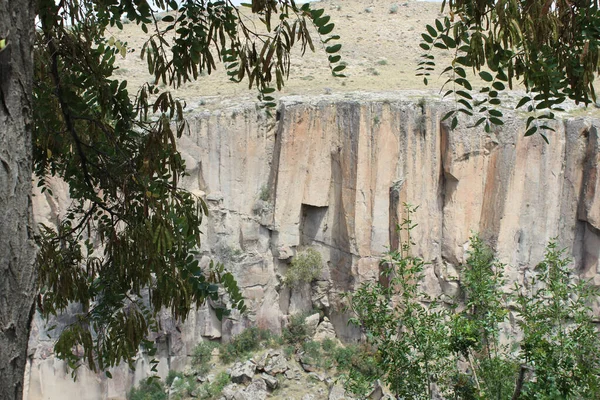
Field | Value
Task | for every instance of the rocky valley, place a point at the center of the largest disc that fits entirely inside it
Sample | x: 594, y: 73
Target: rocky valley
x: 332, y: 173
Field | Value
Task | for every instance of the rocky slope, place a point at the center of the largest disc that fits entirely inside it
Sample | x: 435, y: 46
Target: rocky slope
x: 332, y: 173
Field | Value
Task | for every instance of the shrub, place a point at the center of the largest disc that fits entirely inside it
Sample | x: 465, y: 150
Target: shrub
x: 296, y: 330
x: 312, y: 350
x: 394, y: 8
x: 289, y: 351
x: 171, y: 377
x: 306, y: 266
x: 247, y: 341
x: 148, y: 389
x: 421, y: 347
x: 202, y: 355
x: 328, y: 345
x: 264, y: 193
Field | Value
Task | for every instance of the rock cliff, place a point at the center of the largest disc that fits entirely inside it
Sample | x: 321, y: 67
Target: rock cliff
x: 333, y: 173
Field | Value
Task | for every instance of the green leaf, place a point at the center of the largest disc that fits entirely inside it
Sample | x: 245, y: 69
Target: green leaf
x: 447, y: 115
x: 431, y: 30
x: 333, y: 49
x: 438, y: 25
x: 498, y: 86
x: 531, y: 131
x: 427, y: 38
x: 523, y: 101
x: 454, y: 123
x: 448, y: 41
x: 463, y: 82
x: 316, y: 14
x: 464, y: 94
x: 321, y: 22
x: 334, y: 59
x: 479, y: 122
x: 486, y: 76
x: 324, y: 30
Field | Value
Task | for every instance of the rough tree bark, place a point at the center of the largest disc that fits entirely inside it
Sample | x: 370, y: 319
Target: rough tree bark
x: 17, y: 249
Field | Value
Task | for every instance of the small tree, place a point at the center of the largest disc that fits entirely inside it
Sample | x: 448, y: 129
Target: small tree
x: 561, y: 346
x: 405, y: 326
x: 423, y: 347
x: 127, y: 246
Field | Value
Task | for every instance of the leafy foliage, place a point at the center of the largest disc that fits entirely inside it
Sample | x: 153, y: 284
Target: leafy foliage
x: 296, y: 331
x: 410, y: 337
x: 306, y: 266
x: 560, y: 342
x: 148, y: 389
x: 244, y: 343
x: 549, y: 46
x: 202, y: 355
x: 127, y: 246
x: 422, y: 345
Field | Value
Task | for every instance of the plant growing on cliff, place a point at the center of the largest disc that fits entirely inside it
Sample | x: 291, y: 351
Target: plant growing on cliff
x: 422, y: 345
x: 551, y: 47
x: 202, y: 355
x: 410, y: 337
x: 126, y: 248
x: 306, y: 266
x: 148, y: 389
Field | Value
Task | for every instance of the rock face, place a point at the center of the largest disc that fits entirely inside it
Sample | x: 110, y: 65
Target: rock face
x: 333, y: 174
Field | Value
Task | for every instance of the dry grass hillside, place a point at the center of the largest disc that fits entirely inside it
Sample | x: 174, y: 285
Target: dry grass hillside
x: 380, y: 46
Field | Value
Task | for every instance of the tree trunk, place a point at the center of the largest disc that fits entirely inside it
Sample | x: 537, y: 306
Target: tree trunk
x: 17, y: 249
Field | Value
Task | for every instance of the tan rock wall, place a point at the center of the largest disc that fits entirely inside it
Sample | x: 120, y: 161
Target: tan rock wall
x: 333, y: 173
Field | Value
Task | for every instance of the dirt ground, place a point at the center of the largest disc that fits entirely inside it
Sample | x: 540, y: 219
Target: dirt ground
x: 380, y: 41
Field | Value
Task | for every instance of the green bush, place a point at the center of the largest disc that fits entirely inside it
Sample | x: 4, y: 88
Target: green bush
x: 247, y: 341
x: 296, y: 330
x: 306, y: 266
x: 148, y: 389
x: 171, y: 377
x: 202, y: 355
x: 312, y: 352
x: 329, y: 345
x: 423, y: 346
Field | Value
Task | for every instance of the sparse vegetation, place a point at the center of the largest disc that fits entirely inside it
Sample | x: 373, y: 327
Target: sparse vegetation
x: 202, y: 355
x: 394, y: 8
x: 296, y: 330
x: 306, y: 266
x: 372, y: 71
x: 264, y: 193
x: 244, y: 343
x: 148, y: 389
x: 171, y: 377
x: 212, y: 390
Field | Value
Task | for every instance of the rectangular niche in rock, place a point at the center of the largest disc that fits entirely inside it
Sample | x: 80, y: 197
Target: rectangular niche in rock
x: 313, y: 224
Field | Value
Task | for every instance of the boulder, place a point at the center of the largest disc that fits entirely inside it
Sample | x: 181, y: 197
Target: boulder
x: 243, y: 373
x: 325, y: 330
